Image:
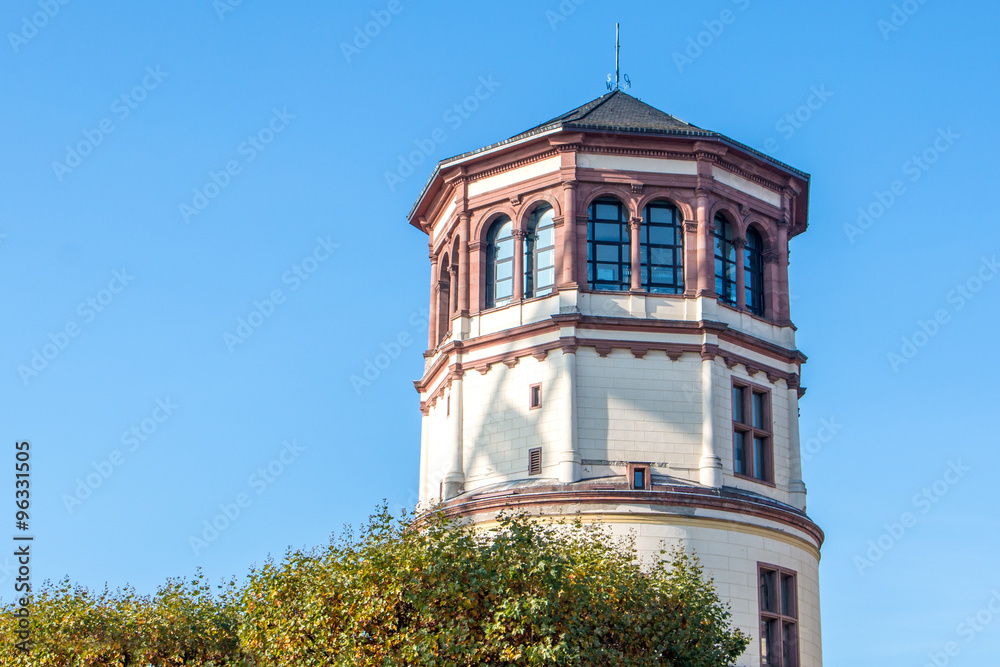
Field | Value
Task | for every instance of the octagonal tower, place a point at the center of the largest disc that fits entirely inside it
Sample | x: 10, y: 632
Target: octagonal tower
x: 610, y: 335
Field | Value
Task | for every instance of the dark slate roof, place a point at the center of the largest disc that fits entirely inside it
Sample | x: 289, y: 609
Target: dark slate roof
x: 618, y: 112
x: 615, y: 111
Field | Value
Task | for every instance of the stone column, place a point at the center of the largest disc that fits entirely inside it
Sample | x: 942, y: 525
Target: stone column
x: 432, y: 333
x: 710, y: 473
x: 425, y: 429
x: 635, y: 259
x: 454, y: 479
x: 782, y: 299
x: 690, y: 257
x: 772, y: 285
x: 796, y: 487
x: 568, y: 458
x: 518, y: 264
x: 453, y: 297
x: 463, y: 265
x: 569, y: 276
x: 739, y: 246
x: 706, y: 248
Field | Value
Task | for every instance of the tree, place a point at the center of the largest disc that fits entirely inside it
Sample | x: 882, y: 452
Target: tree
x: 421, y: 593
x: 438, y: 593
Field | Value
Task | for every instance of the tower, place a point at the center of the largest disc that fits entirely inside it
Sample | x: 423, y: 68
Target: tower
x: 610, y: 335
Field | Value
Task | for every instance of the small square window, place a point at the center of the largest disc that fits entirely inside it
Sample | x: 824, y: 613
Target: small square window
x: 535, y: 396
x: 638, y: 476
x: 535, y: 461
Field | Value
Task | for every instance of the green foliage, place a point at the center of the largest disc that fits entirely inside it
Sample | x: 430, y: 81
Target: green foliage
x: 525, y: 593
x: 425, y: 593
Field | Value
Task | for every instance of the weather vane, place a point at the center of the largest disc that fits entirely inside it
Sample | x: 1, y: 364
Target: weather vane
x: 617, y: 83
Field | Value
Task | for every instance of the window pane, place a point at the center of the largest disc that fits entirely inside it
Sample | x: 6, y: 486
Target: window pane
x: 607, y: 232
x: 607, y: 253
x: 739, y: 462
x: 663, y: 276
x: 546, y: 259
x: 505, y: 289
x: 789, y: 645
x: 546, y: 238
x: 660, y: 214
x: 760, y: 458
x: 505, y: 249
x: 788, y: 595
x: 738, y: 398
x: 759, y: 411
x: 546, y: 279
x: 769, y: 643
x: 606, y: 211
x: 662, y: 235
x: 640, y: 479
x: 505, y: 270
x: 607, y: 272
x: 768, y: 591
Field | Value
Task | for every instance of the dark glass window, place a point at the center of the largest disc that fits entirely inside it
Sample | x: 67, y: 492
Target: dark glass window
x: 661, y: 249
x: 540, y: 253
x: 725, y: 261
x: 779, y: 627
x: 753, y: 276
x: 752, y: 433
x: 639, y: 480
x: 500, y: 263
x: 608, y: 259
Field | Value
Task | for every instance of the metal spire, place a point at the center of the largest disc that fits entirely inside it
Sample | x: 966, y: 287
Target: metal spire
x: 617, y: 85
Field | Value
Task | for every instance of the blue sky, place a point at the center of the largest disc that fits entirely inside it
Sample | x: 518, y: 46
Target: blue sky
x: 278, y: 139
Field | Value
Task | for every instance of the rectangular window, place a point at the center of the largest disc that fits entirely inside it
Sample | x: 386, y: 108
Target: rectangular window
x: 752, y: 432
x: 535, y: 396
x: 638, y: 476
x: 779, y: 617
x: 535, y: 461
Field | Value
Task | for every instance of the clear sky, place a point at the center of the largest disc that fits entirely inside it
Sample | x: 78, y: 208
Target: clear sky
x: 214, y: 156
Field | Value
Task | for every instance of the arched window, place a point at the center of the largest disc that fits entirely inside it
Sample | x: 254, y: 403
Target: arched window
x: 500, y: 263
x: 540, y: 252
x: 753, y: 276
x: 444, y: 300
x: 608, y: 266
x: 725, y: 261
x: 661, y: 247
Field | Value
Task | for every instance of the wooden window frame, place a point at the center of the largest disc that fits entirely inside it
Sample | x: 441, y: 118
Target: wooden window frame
x: 753, y: 273
x: 751, y: 432
x: 782, y: 617
x: 532, y: 405
x: 532, y: 252
x: 646, y: 248
x: 724, y: 255
x: 633, y: 468
x: 533, y: 470
x: 623, y: 245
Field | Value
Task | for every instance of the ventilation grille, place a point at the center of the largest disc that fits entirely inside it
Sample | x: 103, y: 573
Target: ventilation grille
x: 535, y: 461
